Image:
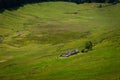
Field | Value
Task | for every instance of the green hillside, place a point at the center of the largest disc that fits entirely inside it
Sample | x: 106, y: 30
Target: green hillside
x: 34, y: 36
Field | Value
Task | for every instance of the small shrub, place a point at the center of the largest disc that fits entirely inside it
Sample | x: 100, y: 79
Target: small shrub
x: 88, y: 45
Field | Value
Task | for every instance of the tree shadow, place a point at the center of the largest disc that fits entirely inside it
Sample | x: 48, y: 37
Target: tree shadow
x: 2, y: 10
x: 11, y: 8
x: 14, y: 8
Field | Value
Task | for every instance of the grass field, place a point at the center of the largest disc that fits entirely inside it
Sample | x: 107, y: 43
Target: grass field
x: 34, y: 36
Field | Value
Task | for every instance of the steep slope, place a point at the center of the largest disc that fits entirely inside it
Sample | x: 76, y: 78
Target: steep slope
x: 33, y: 37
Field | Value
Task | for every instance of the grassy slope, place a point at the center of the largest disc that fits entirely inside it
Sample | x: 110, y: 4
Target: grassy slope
x: 49, y: 29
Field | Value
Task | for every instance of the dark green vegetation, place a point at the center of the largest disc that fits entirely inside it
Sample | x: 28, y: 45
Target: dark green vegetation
x: 33, y: 37
x: 14, y: 4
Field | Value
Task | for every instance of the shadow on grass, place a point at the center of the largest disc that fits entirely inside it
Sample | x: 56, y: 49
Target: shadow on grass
x: 11, y: 6
x: 2, y: 10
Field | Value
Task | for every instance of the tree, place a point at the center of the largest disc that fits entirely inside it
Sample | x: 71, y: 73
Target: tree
x: 88, y: 45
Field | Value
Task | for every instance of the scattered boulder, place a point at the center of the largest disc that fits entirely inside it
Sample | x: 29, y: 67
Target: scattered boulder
x: 70, y: 53
x: 19, y: 33
x: 88, y: 47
